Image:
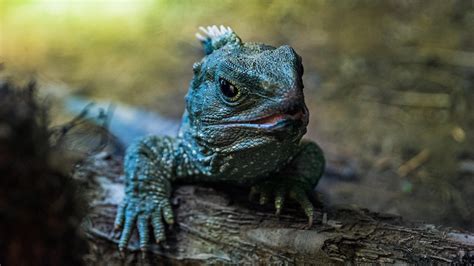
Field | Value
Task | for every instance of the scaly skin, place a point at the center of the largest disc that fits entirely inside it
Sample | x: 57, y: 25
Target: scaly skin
x: 244, y: 120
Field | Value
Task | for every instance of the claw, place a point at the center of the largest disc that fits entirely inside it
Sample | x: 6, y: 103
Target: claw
x: 167, y: 213
x: 263, y: 198
x: 253, y: 193
x: 279, y: 200
x: 278, y: 211
x: 278, y: 204
x: 121, y: 253
x: 296, y: 193
x: 143, y: 253
x: 310, y: 221
x: 302, y: 198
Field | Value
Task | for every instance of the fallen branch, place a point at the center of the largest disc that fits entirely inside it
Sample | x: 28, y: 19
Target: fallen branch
x: 220, y: 225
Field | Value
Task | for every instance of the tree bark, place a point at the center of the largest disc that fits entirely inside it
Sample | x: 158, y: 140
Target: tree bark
x: 220, y: 225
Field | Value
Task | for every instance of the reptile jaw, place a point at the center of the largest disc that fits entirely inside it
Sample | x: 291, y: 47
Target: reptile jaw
x: 290, y: 115
x: 274, y: 121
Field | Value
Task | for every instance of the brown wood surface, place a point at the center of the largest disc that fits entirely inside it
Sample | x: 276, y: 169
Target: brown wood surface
x: 220, y: 225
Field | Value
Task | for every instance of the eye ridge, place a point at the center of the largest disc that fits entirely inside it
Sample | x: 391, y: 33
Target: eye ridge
x: 230, y: 91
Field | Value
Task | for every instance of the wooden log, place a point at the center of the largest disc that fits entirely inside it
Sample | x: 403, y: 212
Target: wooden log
x: 220, y: 225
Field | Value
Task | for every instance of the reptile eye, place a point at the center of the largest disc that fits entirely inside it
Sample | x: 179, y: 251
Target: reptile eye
x: 229, y: 90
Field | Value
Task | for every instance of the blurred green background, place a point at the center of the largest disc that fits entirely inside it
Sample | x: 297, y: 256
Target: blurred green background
x: 389, y: 84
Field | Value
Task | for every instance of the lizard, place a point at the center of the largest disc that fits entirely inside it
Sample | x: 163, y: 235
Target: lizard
x: 243, y: 124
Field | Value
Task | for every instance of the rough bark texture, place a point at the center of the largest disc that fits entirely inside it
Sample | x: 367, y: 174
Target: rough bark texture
x: 220, y: 225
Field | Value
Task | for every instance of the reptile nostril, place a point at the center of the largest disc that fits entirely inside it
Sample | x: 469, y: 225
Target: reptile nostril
x: 295, y: 109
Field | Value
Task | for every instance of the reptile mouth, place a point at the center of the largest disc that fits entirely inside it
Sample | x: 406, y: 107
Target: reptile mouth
x: 278, y: 118
x: 293, y: 116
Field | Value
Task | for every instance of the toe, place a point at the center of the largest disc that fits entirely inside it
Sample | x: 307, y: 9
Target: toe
x: 143, y: 231
x: 120, y: 217
x: 158, y: 229
x: 167, y: 213
x: 127, y: 230
x: 264, y: 197
x: 279, y: 200
x: 253, y: 193
x: 302, y: 198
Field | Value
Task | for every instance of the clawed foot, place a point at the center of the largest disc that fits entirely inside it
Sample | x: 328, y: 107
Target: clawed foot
x: 141, y: 213
x: 280, y: 191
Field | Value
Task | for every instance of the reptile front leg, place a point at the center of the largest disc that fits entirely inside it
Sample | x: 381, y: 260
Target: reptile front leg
x: 296, y: 180
x: 148, y: 172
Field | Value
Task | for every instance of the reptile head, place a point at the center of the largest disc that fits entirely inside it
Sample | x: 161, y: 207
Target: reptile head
x: 246, y: 90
